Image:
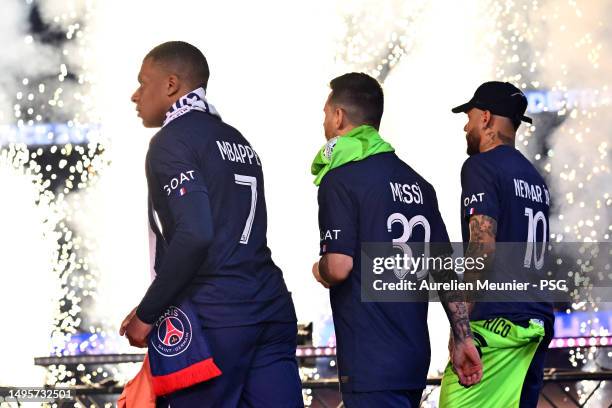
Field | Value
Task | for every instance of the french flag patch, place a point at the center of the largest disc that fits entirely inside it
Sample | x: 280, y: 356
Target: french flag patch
x: 182, y: 191
x: 471, y: 211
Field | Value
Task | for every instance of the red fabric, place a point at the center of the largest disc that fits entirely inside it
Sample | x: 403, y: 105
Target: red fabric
x: 138, y: 392
x: 194, y: 374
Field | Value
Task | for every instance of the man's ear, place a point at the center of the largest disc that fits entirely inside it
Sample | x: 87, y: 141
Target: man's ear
x: 339, y: 117
x: 485, y: 119
x: 173, y: 85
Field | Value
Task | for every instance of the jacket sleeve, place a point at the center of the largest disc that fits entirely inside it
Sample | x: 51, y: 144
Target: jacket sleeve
x: 182, y: 183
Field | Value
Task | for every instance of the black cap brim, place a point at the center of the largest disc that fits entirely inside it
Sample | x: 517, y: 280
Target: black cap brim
x: 463, y: 108
x: 469, y: 105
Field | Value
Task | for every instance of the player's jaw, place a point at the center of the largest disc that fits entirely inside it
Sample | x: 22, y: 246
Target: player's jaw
x: 328, y: 126
x: 472, y: 135
x: 151, y: 117
x: 329, y: 134
x: 473, y: 142
x: 149, y: 107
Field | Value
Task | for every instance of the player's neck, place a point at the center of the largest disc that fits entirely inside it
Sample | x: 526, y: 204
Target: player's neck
x: 494, y: 138
x: 345, y: 129
x: 181, y: 92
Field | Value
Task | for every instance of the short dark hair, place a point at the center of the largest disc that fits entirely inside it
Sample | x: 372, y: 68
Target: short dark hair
x: 361, y: 96
x: 184, y: 59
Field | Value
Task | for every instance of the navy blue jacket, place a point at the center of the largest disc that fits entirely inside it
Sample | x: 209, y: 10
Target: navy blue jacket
x: 502, y: 184
x: 381, y: 345
x: 207, y: 208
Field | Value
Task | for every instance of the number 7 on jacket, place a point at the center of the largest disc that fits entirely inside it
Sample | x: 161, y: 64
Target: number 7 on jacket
x: 252, y: 182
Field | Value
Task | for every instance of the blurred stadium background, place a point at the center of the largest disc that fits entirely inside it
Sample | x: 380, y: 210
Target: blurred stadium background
x: 73, y: 237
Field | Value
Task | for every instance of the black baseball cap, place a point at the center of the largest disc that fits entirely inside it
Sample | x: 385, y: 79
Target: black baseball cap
x: 500, y: 98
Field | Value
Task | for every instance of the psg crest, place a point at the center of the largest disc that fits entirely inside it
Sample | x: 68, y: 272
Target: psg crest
x: 172, y: 333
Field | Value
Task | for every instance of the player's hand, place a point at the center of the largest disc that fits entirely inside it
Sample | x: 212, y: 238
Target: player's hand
x: 126, y: 321
x: 317, y: 275
x: 137, y: 332
x: 466, y: 362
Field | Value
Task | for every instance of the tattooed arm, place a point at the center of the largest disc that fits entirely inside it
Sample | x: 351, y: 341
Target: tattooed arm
x: 456, y: 310
x: 455, y: 306
x: 463, y: 353
x: 483, y: 230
